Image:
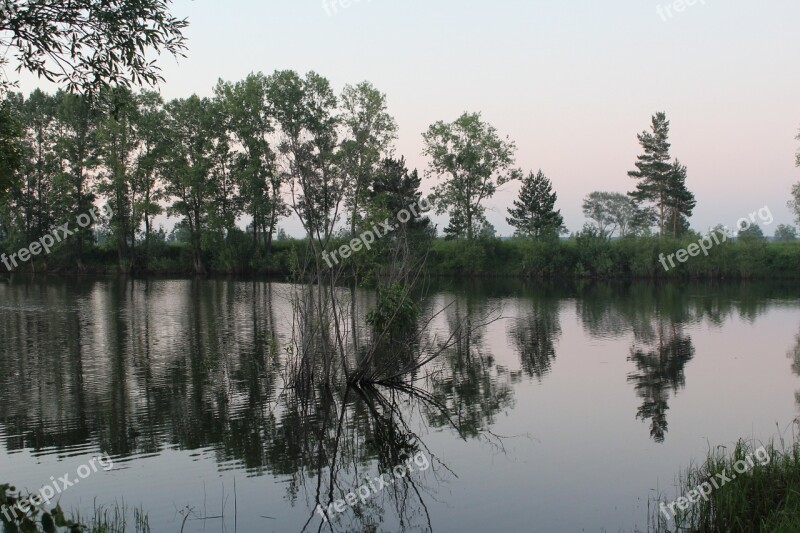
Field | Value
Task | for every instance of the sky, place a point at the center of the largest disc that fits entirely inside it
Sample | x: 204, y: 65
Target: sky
x: 571, y: 82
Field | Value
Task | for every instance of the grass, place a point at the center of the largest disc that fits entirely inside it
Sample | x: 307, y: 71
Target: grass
x: 104, y: 519
x: 764, y: 498
x: 114, y: 519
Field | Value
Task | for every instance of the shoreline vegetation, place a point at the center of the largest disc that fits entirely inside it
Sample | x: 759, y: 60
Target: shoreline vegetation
x: 580, y: 257
x: 765, y: 498
x: 102, y: 519
x: 228, y: 170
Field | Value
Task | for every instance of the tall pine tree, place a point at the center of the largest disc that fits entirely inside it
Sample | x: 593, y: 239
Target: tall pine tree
x: 653, y: 169
x: 680, y: 200
x: 534, y: 214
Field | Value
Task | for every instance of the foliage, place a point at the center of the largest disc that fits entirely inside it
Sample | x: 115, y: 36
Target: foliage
x: 116, y: 138
x: 614, y: 213
x: 10, y: 146
x: 207, y: 161
x: 304, y: 111
x: 212, y: 162
x: 37, y: 520
x: 369, y: 133
x: 534, y: 214
x: 190, y: 167
x: 752, y: 233
x: 471, y: 161
x: 395, y: 190
x: 765, y: 497
x: 680, y: 202
x: 590, y: 255
x: 247, y: 113
x: 89, y: 44
x: 797, y: 156
x: 794, y: 203
x: 395, y: 312
x: 785, y: 233
x: 659, y: 183
x: 653, y: 168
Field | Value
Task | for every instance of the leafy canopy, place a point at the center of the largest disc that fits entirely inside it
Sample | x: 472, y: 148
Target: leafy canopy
x: 471, y: 161
x: 87, y: 44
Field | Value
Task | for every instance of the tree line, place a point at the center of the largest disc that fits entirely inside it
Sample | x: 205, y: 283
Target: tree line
x: 259, y: 148
x: 268, y: 146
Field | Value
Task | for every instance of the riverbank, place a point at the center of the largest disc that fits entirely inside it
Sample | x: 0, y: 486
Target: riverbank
x: 749, y: 490
x: 116, y: 517
x: 574, y: 258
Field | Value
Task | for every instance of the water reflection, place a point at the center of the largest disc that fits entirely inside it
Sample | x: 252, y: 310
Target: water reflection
x: 467, y: 382
x: 534, y: 334
x: 357, y: 438
x: 138, y: 367
x: 660, y: 364
x: 794, y: 355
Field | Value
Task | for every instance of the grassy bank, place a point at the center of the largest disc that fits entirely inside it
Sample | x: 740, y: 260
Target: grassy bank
x: 103, y: 519
x: 751, y: 489
x: 581, y: 257
x: 614, y: 259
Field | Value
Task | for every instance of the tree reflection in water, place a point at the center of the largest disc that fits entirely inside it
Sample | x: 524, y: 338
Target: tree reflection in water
x: 660, y: 367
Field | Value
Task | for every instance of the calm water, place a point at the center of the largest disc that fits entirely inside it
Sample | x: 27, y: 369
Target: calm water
x: 566, y: 411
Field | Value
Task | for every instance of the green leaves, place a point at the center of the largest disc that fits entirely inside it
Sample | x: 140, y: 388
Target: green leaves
x: 10, y: 146
x: 679, y: 201
x: 794, y: 203
x: 785, y: 233
x: 472, y: 161
x: 304, y: 110
x: 614, y: 212
x: 395, y: 313
x: 369, y: 133
x: 89, y: 44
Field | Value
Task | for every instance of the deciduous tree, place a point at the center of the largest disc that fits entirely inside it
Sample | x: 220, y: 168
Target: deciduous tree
x: 87, y: 44
x: 305, y: 113
x: 609, y: 211
x: 785, y: 233
x: 189, y: 168
x: 369, y: 131
x: 470, y: 160
x: 250, y: 122
x: 10, y: 145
